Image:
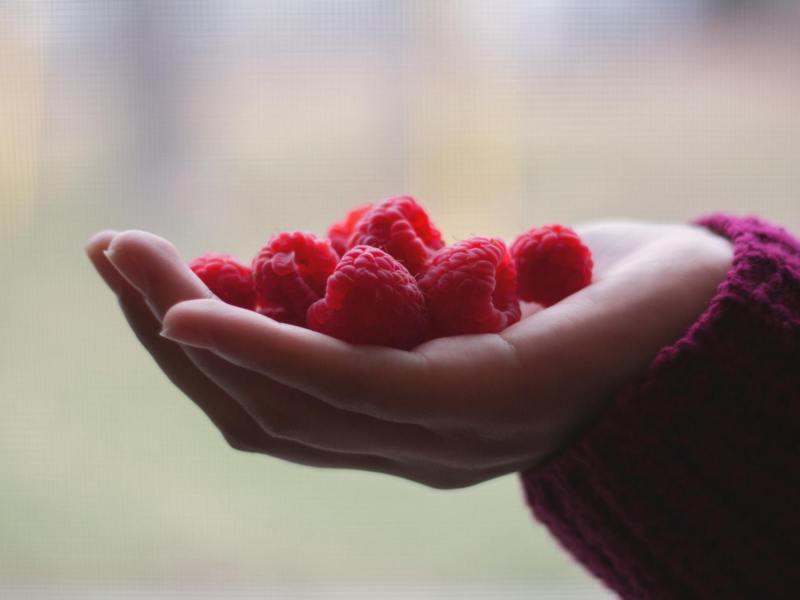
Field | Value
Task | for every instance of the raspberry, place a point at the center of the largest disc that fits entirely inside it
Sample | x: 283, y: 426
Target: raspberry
x: 471, y: 287
x: 290, y: 273
x: 227, y: 278
x: 340, y: 232
x: 371, y: 299
x: 552, y: 263
x: 400, y: 227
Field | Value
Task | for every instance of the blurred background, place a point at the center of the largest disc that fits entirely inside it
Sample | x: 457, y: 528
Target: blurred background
x: 218, y: 123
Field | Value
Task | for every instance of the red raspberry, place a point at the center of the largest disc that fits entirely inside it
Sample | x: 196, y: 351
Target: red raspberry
x: 227, y: 278
x: 552, y: 263
x: 340, y: 232
x: 402, y: 228
x: 471, y: 287
x: 371, y: 299
x: 290, y: 273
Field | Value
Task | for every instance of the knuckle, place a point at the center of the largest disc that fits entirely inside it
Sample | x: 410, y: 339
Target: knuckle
x: 279, y: 425
x: 442, y: 478
x: 238, y: 443
x: 470, y: 452
x: 451, y: 481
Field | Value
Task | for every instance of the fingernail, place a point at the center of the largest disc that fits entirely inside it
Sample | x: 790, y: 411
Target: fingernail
x: 100, y: 235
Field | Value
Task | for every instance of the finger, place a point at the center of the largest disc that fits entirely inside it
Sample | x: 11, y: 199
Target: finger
x: 292, y: 414
x: 238, y: 428
x: 224, y: 412
x: 240, y: 431
x: 384, y: 383
x: 95, y: 247
x: 153, y: 266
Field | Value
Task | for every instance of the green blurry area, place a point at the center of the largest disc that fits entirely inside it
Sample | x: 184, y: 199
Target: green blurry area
x: 110, y: 476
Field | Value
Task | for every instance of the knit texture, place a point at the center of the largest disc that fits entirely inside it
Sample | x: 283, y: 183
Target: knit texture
x: 688, y: 485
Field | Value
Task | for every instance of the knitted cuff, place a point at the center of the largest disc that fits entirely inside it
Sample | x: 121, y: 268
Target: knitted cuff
x: 687, y: 485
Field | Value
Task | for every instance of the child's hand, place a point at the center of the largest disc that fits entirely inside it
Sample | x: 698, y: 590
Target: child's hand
x: 452, y: 412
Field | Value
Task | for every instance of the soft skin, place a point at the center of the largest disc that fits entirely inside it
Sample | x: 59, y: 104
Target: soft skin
x: 451, y: 413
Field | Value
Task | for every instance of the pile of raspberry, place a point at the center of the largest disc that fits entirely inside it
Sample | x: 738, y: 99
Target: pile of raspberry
x: 383, y: 276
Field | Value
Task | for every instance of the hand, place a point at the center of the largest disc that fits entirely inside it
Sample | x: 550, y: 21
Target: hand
x: 450, y: 413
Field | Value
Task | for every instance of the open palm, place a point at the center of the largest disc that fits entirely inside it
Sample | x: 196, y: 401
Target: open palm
x: 450, y: 413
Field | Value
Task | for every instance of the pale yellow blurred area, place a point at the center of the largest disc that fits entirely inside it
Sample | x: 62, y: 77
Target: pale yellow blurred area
x: 718, y: 130
x: 695, y: 122
x: 21, y: 113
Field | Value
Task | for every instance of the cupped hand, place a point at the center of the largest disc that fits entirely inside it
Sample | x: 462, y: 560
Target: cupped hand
x: 450, y: 413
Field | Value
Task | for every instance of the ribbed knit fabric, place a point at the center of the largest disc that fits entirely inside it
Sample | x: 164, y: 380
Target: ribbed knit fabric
x: 688, y: 485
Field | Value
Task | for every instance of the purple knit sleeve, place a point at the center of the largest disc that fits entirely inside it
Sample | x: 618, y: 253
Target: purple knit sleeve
x: 688, y: 485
